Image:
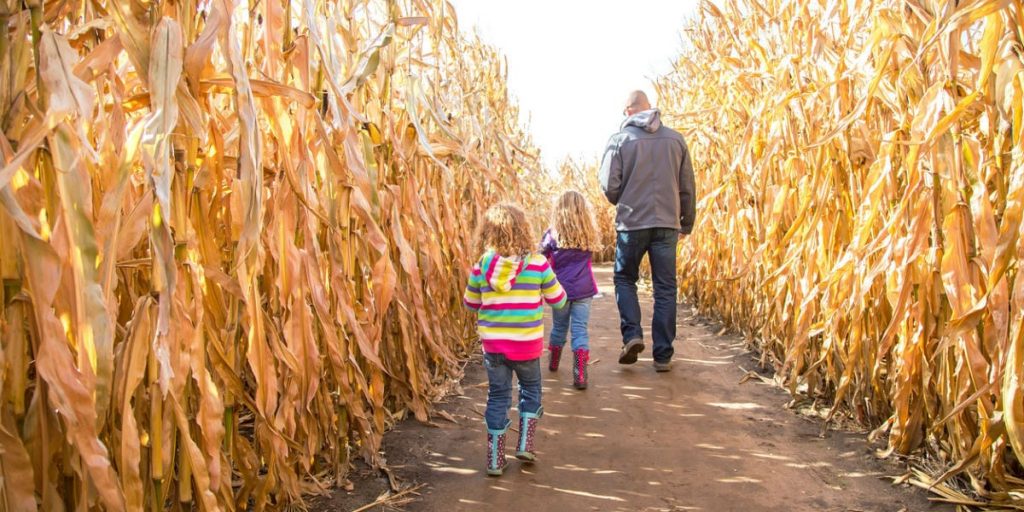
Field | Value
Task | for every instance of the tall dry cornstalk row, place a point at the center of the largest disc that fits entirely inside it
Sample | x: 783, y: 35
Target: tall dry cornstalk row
x: 861, y: 185
x: 230, y: 237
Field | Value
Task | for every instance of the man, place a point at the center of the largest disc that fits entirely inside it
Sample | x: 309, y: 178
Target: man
x: 646, y: 173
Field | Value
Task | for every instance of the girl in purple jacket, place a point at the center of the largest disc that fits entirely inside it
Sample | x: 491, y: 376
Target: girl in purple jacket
x: 569, y: 244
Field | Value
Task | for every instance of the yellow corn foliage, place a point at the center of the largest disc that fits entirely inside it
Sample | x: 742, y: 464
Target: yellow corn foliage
x: 231, y: 240
x: 861, y: 182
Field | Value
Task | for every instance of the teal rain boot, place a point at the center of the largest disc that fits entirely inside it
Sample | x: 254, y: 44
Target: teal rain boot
x: 527, y: 433
x: 496, y: 451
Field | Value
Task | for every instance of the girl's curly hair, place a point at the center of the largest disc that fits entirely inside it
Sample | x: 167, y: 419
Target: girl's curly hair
x: 574, y: 224
x: 506, y: 230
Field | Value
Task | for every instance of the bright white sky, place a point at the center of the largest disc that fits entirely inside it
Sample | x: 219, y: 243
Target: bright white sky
x: 572, y: 62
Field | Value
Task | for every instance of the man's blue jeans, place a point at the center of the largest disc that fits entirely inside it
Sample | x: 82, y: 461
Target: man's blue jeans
x: 659, y: 244
x: 573, y: 318
x: 499, y: 391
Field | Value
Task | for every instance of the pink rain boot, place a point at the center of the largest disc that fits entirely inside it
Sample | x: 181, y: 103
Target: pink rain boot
x: 554, y: 354
x: 579, y: 368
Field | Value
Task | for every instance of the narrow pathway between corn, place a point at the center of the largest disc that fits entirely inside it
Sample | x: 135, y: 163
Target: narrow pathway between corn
x: 691, y: 439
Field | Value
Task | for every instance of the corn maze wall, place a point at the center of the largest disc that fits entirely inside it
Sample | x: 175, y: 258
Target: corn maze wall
x: 861, y: 178
x: 229, y: 237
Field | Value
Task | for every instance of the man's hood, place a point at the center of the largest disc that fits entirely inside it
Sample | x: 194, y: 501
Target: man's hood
x: 500, y: 271
x: 648, y: 120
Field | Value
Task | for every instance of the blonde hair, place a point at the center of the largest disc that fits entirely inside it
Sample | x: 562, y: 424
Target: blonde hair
x: 574, y: 224
x: 505, y: 230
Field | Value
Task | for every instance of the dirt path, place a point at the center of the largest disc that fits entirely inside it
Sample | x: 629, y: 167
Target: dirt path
x: 691, y: 439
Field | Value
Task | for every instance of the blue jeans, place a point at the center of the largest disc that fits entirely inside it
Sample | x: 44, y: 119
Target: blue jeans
x: 659, y: 245
x: 499, y: 391
x: 574, y: 316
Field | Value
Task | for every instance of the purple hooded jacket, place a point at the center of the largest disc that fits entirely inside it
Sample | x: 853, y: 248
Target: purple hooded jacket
x: 572, y: 268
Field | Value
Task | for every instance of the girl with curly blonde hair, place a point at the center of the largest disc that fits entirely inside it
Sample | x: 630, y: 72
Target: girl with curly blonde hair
x: 507, y: 288
x: 569, y: 245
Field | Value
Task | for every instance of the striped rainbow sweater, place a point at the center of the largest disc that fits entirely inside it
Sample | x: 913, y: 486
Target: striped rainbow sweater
x: 508, y: 295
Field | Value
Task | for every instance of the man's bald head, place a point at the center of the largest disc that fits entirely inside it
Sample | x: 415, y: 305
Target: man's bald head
x: 637, y: 102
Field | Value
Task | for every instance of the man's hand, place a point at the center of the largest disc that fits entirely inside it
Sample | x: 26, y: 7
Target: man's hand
x: 682, y: 233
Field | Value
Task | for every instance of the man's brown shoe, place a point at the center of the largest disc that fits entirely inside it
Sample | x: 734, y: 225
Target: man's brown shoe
x: 630, y: 351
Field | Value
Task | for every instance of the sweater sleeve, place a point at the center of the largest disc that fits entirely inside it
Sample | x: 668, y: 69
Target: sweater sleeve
x: 473, y: 298
x: 687, y: 193
x: 552, y: 290
x: 611, y: 172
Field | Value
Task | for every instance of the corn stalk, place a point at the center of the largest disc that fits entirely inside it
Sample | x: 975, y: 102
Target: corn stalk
x: 862, y: 186
x: 228, y: 236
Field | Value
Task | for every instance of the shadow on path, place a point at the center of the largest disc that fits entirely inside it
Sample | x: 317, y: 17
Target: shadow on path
x: 690, y: 439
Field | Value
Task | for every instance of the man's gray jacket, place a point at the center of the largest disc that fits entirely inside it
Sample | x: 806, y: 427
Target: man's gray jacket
x: 646, y: 173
